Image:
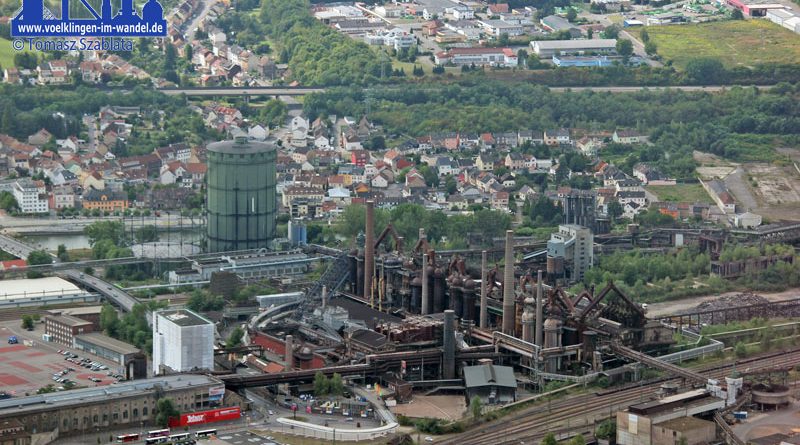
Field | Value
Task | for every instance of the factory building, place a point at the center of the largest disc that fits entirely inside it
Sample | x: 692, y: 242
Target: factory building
x: 182, y: 341
x: 241, y: 195
x: 570, y: 252
x: 256, y: 266
x: 126, y: 404
x: 131, y: 360
x: 546, y: 49
x: 493, y: 384
x: 63, y: 328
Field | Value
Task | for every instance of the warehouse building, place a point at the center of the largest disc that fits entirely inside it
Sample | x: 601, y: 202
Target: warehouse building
x: 546, y: 49
x: 503, y: 57
x: 133, y: 363
x: 493, y: 384
x: 130, y: 404
x: 182, y: 341
x: 42, y: 291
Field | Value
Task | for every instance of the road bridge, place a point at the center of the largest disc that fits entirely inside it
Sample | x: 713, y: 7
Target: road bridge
x: 241, y: 91
x: 15, y: 247
x: 118, y: 296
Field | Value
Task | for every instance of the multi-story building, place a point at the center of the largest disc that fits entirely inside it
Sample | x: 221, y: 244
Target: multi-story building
x: 124, y: 405
x: 29, y: 198
x: 105, y: 200
x: 64, y: 328
x: 182, y: 341
x: 546, y: 49
x: 570, y: 252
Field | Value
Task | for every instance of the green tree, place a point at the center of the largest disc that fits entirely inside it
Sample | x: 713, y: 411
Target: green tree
x: 165, y: 408
x: 624, y: 48
x: 336, y: 385
x: 235, y: 339
x: 572, y: 14
x: 27, y: 322
x: 475, y: 404
x: 650, y: 48
x: 683, y: 440
x: 147, y: 234
x: 577, y: 440
x: 705, y: 70
x: 737, y: 14
x: 549, y: 439
x: 39, y: 257
x: 612, y: 32
x: 113, y: 231
x: 615, y: 210
x: 109, y: 320
x: 321, y: 384
x: 606, y: 430
x: 740, y: 350
x: 62, y: 253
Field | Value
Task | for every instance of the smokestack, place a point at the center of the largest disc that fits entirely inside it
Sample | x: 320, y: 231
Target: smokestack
x: 426, y: 307
x: 508, y: 285
x: 324, y: 296
x: 369, y: 251
x: 539, y: 303
x: 449, y: 344
x: 289, y: 356
x: 483, y: 321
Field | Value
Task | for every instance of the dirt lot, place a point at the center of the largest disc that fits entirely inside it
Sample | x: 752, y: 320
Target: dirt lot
x: 761, y: 424
x: 25, y: 369
x: 672, y: 307
x: 439, y: 407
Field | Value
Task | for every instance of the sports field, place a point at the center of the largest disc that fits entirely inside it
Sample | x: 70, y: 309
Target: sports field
x: 734, y: 42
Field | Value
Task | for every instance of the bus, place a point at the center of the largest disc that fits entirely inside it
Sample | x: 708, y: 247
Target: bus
x: 158, y: 433
x: 177, y: 437
x: 205, y: 433
x: 155, y: 440
x: 127, y: 438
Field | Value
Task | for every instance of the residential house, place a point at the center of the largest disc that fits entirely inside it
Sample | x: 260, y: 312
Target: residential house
x: 651, y: 175
x: 556, y: 137
x: 626, y: 137
x: 40, y: 138
x: 514, y: 161
x: 63, y: 198
x: 484, y: 163
x: 589, y: 146
x: 722, y: 197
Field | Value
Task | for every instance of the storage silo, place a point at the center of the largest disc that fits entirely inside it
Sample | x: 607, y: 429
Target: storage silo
x: 241, y: 202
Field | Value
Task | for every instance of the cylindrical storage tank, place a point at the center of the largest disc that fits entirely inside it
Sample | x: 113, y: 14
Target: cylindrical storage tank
x: 242, y: 200
x: 416, y: 295
x: 438, y: 290
x: 555, y: 266
x: 468, y: 313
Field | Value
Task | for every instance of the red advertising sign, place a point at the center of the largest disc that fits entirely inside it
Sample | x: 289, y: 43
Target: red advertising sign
x: 200, y: 417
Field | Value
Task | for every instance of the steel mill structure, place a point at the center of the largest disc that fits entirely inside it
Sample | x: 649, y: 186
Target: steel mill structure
x: 241, y: 203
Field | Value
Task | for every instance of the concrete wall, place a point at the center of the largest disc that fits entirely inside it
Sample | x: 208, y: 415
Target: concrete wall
x: 633, y: 429
x: 666, y: 436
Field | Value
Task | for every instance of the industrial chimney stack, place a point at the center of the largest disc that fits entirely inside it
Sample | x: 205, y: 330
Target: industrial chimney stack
x: 508, y: 285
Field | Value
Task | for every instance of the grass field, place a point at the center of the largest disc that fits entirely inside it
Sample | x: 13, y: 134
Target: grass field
x: 680, y: 193
x: 6, y: 53
x: 734, y: 42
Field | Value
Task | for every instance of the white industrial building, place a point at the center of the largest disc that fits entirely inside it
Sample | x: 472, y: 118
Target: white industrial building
x: 570, y: 251
x: 42, y: 291
x: 182, y: 341
x: 29, y: 198
x: 396, y: 38
x: 546, y: 49
x: 504, y: 57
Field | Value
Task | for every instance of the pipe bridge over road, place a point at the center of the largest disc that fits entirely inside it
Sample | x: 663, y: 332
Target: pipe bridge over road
x: 660, y: 364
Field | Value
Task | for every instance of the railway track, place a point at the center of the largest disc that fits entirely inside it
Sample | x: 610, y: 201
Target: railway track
x: 580, y: 413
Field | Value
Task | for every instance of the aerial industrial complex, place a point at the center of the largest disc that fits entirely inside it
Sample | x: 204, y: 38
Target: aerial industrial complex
x: 394, y: 323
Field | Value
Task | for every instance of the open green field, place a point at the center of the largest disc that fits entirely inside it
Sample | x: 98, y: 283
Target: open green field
x: 680, y: 193
x: 7, y: 53
x: 734, y: 42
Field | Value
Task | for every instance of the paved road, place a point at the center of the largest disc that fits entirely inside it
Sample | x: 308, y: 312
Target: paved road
x: 108, y: 290
x: 15, y: 247
x: 192, y: 26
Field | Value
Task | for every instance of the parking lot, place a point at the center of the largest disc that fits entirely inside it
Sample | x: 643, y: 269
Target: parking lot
x: 24, y: 369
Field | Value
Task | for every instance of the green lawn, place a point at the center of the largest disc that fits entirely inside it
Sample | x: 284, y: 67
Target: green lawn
x: 680, y: 193
x: 734, y: 42
x: 6, y: 53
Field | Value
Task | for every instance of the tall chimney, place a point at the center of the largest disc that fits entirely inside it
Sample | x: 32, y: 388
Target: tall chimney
x: 426, y: 307
x: 289, y: 356
x: 369, y: 251
x: 539, y: 303
x: 483, y: 321
x: 508, y: 285
x: 324, y: 296
x: 449, y: 345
